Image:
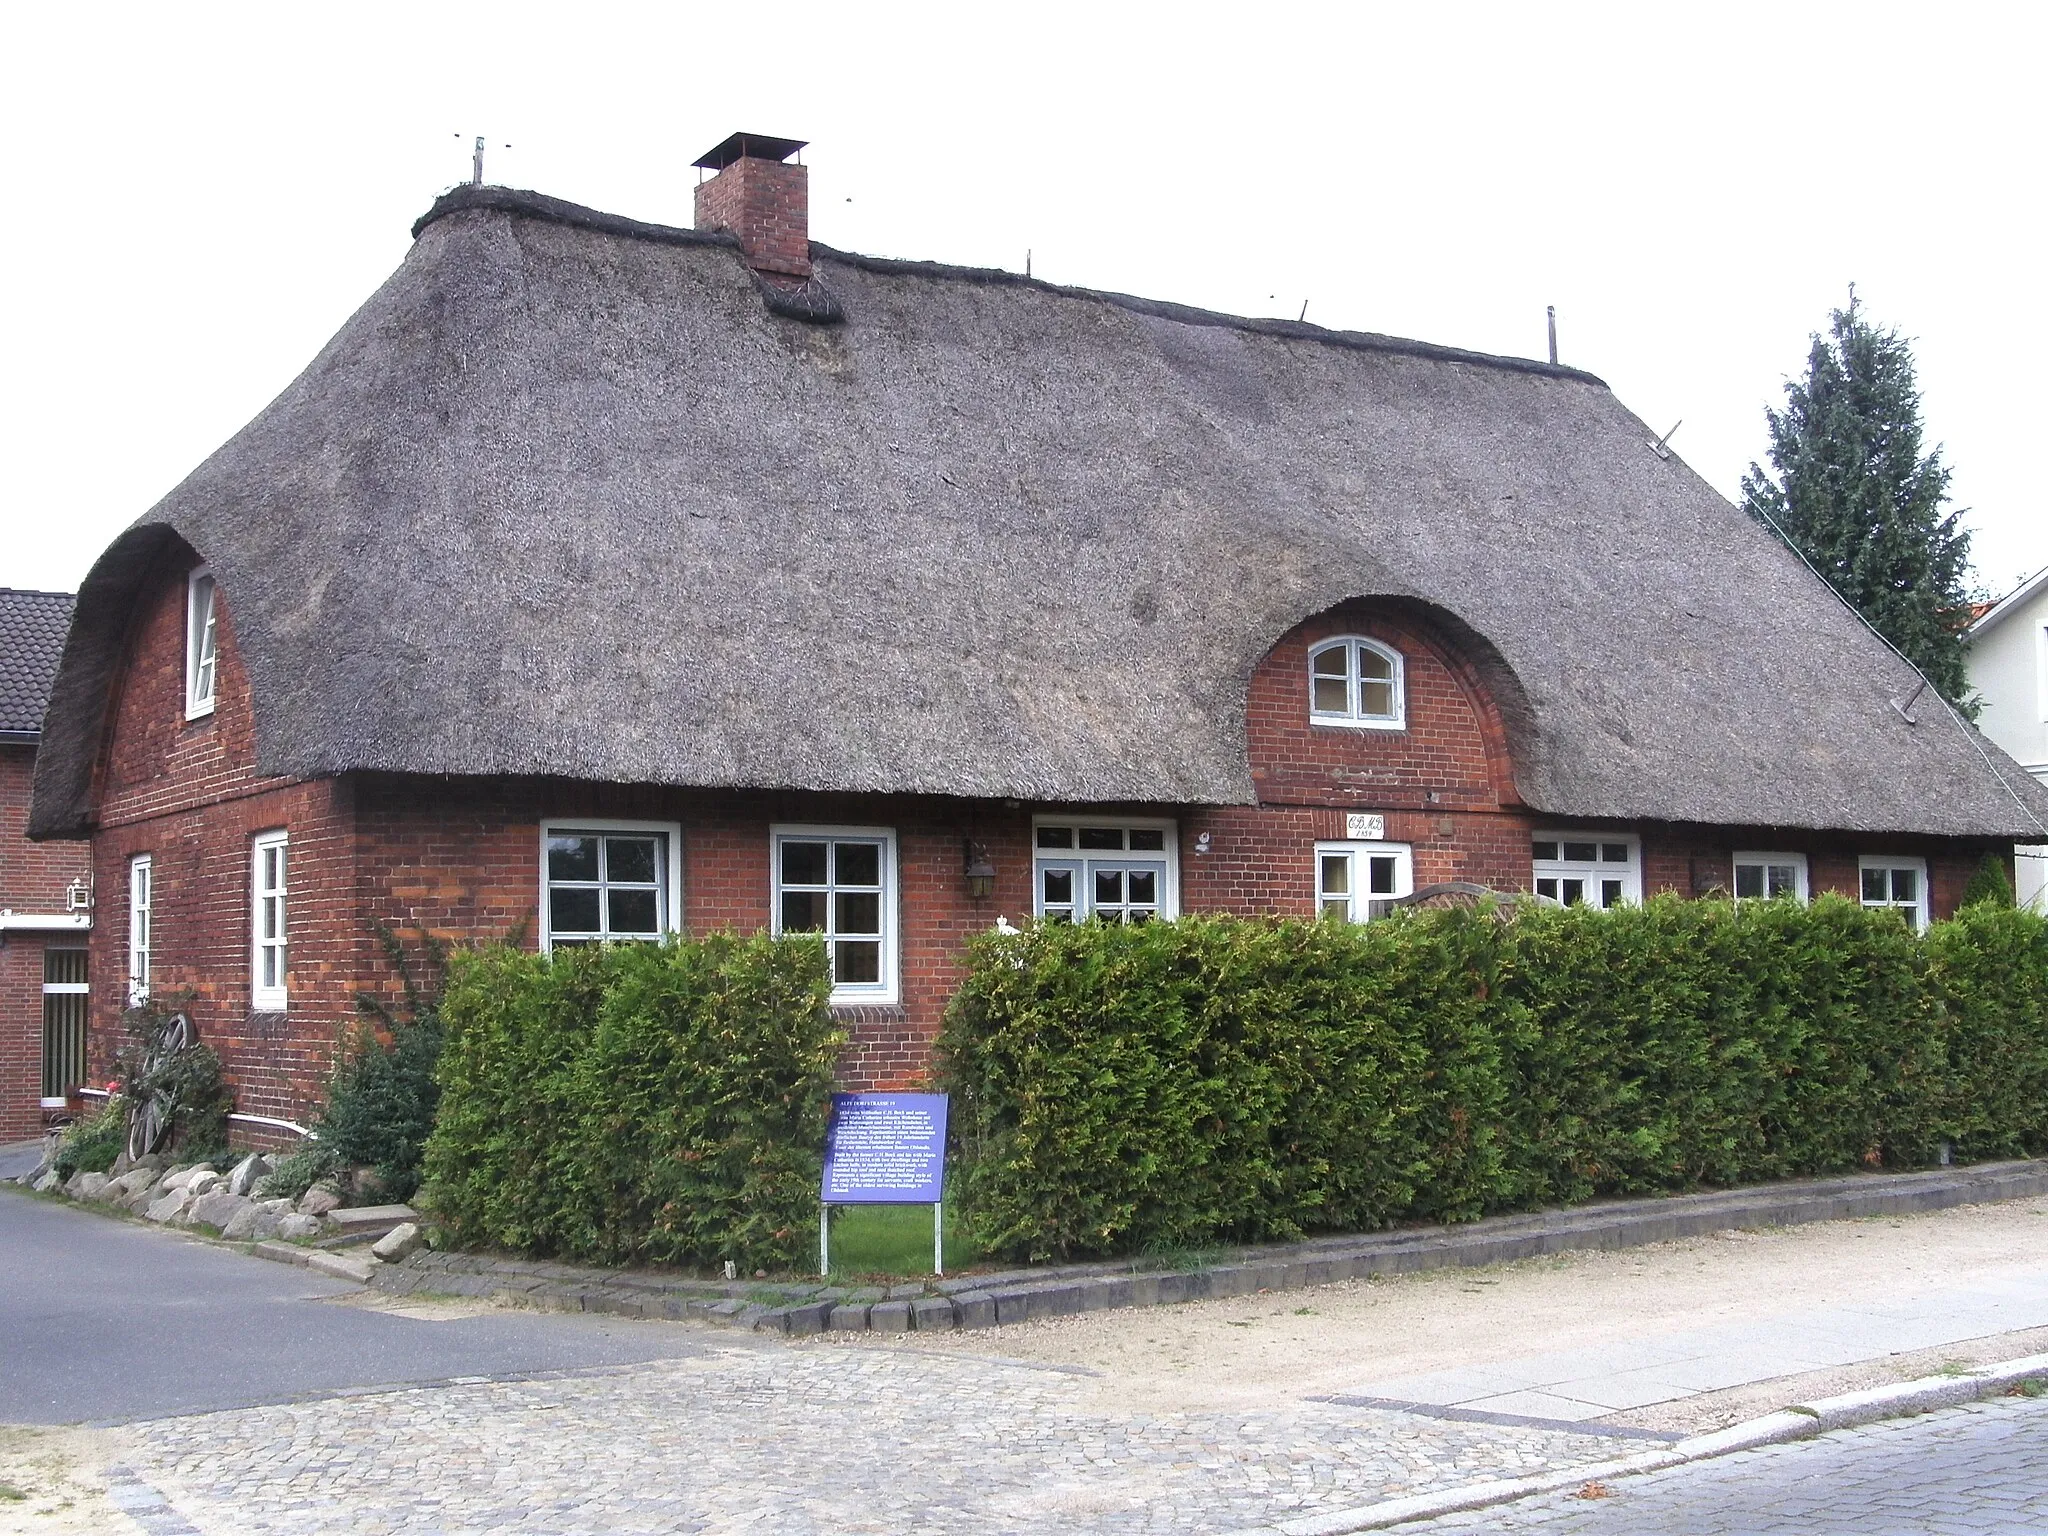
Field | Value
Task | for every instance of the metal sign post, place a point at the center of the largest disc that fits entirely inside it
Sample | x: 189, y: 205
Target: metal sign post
x: 885, y: 1149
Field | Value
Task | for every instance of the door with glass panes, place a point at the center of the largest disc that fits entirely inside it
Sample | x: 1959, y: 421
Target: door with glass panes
x: 1591, y: 869
x: 1114, y: 873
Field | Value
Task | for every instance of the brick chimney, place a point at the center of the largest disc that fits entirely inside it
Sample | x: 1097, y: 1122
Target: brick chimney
x: 757, y: 195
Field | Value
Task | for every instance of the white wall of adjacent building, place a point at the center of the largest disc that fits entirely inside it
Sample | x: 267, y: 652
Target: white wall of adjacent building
x: 2009, y: 670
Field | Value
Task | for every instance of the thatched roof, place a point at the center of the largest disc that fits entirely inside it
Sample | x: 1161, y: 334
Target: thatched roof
x: 565, y: 498
x: 32, y: 626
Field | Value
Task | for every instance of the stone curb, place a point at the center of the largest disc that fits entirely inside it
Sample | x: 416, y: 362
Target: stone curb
x: 990, y: 1300
x: 1802, y: 1421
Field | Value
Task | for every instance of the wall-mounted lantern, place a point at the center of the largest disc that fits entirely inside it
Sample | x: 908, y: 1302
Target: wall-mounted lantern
x: 981, y: 875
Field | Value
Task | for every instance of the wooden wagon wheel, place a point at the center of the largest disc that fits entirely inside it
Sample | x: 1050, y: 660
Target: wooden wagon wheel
x: 148, y: 1126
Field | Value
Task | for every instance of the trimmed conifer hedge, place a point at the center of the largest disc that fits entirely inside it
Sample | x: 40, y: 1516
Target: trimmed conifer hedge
x: 664, y: 1103
x: 1127, y: 1089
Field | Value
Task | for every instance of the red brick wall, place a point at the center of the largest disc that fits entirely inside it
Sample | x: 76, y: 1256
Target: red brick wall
x: 21, y: 1037
x: 33, y: 878
x: 187, y: 793
x: 1694, y: 861
x: 461, y: 859
x: 1452, y: 754
x: 32, y: 875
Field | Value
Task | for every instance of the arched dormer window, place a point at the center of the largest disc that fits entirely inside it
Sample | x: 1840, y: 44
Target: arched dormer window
x: 1357, y: 683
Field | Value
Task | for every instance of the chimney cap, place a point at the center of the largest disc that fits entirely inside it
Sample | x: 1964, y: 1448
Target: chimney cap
x: 749, y: 146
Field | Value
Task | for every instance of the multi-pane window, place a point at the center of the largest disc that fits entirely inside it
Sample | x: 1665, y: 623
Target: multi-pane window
x: 1355, y: 682
x: 64, y: 1013
x: 841, y: 885
x: 267, y: 959
x: 140, y: 911
x: 1594, y: 869
x: 604, y: 882
x: 1769, y: 876
x: 1350, y: 877
x: 1899, y: 884
x: 1117, y: 872
x: 201, y: 652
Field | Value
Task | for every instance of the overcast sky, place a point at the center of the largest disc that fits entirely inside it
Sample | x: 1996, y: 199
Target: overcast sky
x: 198, y: 195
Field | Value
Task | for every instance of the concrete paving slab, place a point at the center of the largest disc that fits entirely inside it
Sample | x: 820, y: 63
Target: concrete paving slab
x: 1444, y: 1389
x: 1539, y: 1405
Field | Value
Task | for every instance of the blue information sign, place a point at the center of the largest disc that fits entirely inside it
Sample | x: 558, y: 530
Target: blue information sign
x: 886, y: 1149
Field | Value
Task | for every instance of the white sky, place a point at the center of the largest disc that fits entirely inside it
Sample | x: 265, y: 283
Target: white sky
x: 198, y: 195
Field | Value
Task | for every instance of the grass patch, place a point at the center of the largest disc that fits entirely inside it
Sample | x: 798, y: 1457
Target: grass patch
x: 894, y: 1240
x: 11, y: 1494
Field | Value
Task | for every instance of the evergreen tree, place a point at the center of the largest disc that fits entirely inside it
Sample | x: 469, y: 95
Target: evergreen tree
x: 1854, y: 494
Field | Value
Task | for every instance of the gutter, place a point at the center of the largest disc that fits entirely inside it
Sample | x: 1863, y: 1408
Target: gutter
x: 44, y: 922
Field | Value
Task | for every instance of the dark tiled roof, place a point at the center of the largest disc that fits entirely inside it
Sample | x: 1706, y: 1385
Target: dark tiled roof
x: 32, y: 630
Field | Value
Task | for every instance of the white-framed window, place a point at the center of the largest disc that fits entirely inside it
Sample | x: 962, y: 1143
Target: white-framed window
x: 202, y: 671
x: 1768, y: 876
x: 1897, y: 883
x: 602, y: 881
x: 1594, y: 869
x: 140, y: 910
x: 1350, y: 877
x: 1357, y: 683
x: 267, y: 961
x: 1125, y: 870
x: 840, y: 883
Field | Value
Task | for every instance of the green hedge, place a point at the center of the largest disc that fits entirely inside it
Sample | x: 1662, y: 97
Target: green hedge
x: 1166, y: 1086
x: 636, y: 1102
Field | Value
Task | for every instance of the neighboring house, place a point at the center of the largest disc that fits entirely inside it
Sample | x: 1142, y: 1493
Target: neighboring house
x: 602, y: 579
x: 45, y: 911
x: 2009, y: 671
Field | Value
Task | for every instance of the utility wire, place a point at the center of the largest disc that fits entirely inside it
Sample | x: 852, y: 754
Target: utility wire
x: 1970, y: 732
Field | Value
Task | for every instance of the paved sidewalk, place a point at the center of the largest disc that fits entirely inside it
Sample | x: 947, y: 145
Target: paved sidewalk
x: 1980, y: 1470
x: 1576, y: 1385
x: 798, y: 1440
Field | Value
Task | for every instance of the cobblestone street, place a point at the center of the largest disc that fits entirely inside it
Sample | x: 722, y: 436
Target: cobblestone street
x: 804, y: 1440
x: 1980, y: 1469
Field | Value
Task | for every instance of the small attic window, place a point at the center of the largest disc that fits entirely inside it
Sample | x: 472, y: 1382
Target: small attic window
x: 1357, y: 683
x: 201, y: 656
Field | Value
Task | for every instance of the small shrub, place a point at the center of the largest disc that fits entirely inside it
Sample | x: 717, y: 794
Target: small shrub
x: 1990, y: 885
x: 384, y: 1094
x: 298, y: 1171
x: 92, y: 1144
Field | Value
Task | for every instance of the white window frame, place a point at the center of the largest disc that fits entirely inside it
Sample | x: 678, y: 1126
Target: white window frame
x: 668, y: 899
x: 202, y: 643
x: 272, y: 997
x: 1353, y: 718
x: 1796, y: 861
x: 1922, y: 907
x: 141, y: 920
x: 1597, y: 869
x: 887, y: 987
x: 1078, y: 859
x: 1359, y: 898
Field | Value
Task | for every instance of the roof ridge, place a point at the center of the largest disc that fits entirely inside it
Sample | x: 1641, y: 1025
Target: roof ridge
x: 33, y: 592
x: 555, y: 210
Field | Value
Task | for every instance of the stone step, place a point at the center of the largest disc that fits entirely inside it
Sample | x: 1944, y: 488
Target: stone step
x: 369, y: 1221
